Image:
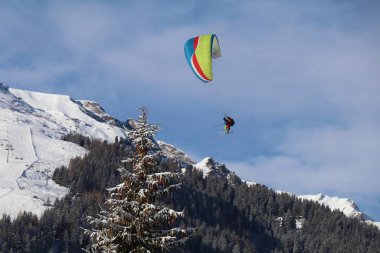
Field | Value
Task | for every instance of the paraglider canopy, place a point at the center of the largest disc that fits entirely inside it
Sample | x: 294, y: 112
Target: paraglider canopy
x: 199, y: 52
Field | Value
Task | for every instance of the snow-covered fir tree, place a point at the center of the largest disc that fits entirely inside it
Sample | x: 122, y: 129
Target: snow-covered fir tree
x: 133, y: 218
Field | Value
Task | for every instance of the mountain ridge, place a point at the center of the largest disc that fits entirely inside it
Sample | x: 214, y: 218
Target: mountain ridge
x: 44, y: 118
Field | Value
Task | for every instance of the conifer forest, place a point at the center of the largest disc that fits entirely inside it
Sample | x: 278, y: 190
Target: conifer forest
x: 224, y: 214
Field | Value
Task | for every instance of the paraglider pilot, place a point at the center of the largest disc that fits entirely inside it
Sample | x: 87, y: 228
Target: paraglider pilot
x: 228, y: 123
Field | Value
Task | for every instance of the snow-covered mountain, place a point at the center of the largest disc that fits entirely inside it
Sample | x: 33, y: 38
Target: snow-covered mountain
x: 345, y: 205
x: 31, y: 127
x: 173, y: 152
x: 209, y: 167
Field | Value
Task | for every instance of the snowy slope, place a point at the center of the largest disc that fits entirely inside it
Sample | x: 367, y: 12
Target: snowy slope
x: 209, y: 167
x: 345, y: 205
x: 31, y: 125
x: 68, y: 115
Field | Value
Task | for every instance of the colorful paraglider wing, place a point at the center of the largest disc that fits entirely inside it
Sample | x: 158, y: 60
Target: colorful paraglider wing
x: 199, y: 52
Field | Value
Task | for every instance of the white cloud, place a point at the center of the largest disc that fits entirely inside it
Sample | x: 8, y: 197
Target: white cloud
x: 322, y: 158
x: 331, y: 160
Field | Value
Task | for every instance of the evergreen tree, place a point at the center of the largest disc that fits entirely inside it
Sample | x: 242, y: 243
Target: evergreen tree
x: 134, y: 218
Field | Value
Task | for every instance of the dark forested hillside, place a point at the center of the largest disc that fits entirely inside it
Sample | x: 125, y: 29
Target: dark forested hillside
x: 227, y: 214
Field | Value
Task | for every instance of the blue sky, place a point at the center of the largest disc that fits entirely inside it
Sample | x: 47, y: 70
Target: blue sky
x: 301, y: 78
